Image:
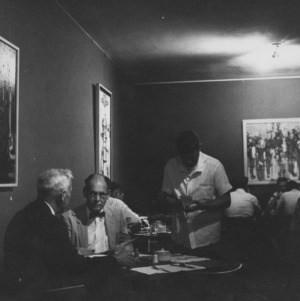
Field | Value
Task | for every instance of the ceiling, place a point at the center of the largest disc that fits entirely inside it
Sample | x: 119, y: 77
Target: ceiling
x: 177, y: 40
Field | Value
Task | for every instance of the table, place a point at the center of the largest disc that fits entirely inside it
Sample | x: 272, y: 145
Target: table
x: 131, y: 285
x: 187, y: 263
x: 168, y: 282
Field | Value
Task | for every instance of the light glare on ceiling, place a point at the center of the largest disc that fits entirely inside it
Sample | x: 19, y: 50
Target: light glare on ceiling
x: 262, y: 59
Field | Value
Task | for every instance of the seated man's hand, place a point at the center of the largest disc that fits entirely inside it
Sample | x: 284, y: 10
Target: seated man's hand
x: 125, y: 246
x: 125, y: 258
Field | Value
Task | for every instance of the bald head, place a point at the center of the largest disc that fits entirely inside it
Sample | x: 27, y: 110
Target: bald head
x: 95, y: 178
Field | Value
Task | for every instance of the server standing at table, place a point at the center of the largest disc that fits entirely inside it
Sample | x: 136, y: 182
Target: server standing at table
x: 196, y: 187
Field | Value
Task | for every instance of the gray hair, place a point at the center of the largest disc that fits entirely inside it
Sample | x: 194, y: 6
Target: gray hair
x: 53, y: 181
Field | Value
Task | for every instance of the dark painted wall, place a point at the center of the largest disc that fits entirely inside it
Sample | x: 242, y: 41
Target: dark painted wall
x: 58, y: 66
x: 215, y: 111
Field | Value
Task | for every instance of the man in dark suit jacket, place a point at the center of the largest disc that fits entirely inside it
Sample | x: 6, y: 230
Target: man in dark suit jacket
x: 37, y: 249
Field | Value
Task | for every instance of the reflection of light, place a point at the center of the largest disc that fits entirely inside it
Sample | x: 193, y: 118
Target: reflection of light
x: 213, y: 44
x: 229, y: 45
x: 262, y: 59
x: 276, y: 51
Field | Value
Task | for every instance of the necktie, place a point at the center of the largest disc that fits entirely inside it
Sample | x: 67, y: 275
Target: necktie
x: 97, y: 214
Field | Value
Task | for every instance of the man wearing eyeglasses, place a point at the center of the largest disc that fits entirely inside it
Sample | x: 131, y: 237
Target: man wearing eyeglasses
x: 99, y: 225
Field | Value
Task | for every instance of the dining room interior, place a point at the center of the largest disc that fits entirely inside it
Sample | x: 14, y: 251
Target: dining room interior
x: 168, y: 66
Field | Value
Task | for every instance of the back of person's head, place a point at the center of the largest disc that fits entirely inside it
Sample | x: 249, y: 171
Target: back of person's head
x: 187, y: 142
x: 281, y: 179
x: 117, y: 191
x: 239, y: 182
x: 52, y: 182
x: 291, y: 185
x: 108, y: 182
x: 114, y: 186
x: 281, y: 184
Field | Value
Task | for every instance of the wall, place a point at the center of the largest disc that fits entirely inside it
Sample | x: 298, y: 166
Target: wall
x: 215, y: 110
x: 58, y: 66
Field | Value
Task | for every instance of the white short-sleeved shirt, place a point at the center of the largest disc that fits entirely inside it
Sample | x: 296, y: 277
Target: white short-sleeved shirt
x: 208, y: 180
x: 243, y: 204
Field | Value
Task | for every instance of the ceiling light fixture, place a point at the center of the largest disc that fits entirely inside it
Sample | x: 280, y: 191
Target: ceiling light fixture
x: 276, y: 51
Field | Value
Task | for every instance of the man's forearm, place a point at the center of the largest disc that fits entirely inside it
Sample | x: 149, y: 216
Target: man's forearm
x: 170, y: 200
x: 220, y: 203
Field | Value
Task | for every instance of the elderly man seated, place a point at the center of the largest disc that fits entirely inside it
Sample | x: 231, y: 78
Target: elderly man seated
x: 37, y: 250
x: 99, y: 225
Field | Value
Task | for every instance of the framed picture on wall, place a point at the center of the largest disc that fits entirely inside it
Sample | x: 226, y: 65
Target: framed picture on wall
x: 103, y: 131
x: 9, y: 110
x: 271, y: 149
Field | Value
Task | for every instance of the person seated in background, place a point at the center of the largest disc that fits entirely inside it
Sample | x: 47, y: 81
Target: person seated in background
x: 116, y: 191
x: 239, y: 217
x: 99, y: 225
x: 287, y: 202
x: 272, y: 203
x: 295, y: 223
x: 285, y: 210
x: 271, y: 223
x: 293, y: 244
x: 133, y: 220
x: 37, y: 251
x: 243, y: 204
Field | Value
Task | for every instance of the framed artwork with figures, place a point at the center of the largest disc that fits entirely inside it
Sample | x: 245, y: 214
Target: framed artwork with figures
x: 271, y: 149
x: 103, y: 130
x: 9, y: 110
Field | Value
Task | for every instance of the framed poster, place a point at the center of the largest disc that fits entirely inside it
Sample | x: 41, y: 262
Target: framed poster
x: 9, y: 110
x: 103, y: 131
x: 271, y: 149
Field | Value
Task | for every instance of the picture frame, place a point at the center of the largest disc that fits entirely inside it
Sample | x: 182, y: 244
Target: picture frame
x: 271, y: 149
x: 9, y: 113
x: 103, y: 131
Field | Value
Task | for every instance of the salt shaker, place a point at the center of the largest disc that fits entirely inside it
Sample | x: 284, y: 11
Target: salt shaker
x: 155, y: 259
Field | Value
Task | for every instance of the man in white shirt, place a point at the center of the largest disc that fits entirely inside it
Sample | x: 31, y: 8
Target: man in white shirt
x: 287, y: 201
x: 243, y: 204
x: 99, y: 225
x: 196, y: 186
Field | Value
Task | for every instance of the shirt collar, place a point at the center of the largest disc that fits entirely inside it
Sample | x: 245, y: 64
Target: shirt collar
x: 52, y: 211
x: 240, y: 190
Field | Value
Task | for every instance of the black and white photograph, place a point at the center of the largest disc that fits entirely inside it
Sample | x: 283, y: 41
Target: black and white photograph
x: 9, y: 80
x: 103, y: 131
x: 271, y: 150
x: 149, y: 150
